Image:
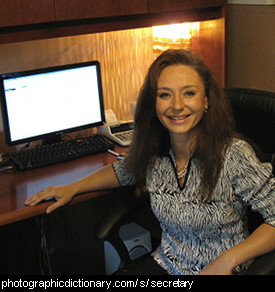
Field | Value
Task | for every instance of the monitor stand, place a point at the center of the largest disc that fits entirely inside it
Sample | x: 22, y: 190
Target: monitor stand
x: 53, y: 138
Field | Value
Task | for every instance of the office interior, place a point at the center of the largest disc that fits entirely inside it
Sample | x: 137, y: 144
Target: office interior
x: 238, y: 44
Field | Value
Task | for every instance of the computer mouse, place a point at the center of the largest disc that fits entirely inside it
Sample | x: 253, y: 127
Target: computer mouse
x: 5, y: 165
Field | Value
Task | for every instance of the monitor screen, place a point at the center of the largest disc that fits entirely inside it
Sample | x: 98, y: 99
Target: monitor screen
x: 51, y: 101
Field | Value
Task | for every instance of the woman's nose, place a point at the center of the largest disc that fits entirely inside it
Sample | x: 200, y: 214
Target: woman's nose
x: 178, y: 102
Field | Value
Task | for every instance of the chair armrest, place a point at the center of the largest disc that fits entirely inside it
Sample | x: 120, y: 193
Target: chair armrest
x: 108, y: 228
x: 126, y: 206
x: 263, y: 265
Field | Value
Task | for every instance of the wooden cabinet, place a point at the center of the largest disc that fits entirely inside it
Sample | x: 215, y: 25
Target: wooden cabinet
x: 22, y: 12
x: 24, y: 20
x: 80, y: 9
x: 176, y: 5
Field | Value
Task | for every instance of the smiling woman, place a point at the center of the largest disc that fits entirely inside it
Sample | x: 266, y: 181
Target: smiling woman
x: 200, y: 174
x: 176, y: 94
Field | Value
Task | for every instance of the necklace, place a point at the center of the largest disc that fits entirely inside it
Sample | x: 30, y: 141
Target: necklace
x: 181, y: 174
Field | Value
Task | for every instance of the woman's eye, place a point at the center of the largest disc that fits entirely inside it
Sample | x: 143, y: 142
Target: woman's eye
x: 163, y: 95
x: 190, y: 93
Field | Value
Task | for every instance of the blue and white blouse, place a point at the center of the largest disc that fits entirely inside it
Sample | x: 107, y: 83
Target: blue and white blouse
x: 194, y: 232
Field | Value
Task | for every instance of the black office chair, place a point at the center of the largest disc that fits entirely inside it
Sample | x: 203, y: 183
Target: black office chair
x: 254, y: 112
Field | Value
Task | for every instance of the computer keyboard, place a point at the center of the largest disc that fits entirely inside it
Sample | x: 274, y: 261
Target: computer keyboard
x: 58, y: 152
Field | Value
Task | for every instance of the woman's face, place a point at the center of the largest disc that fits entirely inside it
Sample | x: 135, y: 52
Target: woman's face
x: 180, y: 99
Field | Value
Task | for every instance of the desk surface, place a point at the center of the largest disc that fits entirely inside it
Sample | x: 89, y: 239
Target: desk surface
x: 17, y: 186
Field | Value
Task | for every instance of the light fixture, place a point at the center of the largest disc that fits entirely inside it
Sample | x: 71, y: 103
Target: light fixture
x: 173, y: 36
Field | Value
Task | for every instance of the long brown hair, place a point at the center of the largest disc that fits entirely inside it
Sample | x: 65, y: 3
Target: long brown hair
x: 151, y: 139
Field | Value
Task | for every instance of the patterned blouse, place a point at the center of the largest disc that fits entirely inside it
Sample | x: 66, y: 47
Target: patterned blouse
x: 195, y: 232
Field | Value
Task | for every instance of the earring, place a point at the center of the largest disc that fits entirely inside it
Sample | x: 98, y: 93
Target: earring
x: 205, y: 109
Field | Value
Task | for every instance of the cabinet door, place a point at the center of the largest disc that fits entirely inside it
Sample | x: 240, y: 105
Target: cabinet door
x: 175, y: 5
x: 21, y: 12
x: 79, y: 9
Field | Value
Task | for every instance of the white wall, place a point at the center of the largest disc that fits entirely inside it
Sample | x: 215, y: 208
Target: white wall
x: 251, y: 46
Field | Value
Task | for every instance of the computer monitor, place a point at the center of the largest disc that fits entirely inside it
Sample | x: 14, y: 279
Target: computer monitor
x: 46, y: 103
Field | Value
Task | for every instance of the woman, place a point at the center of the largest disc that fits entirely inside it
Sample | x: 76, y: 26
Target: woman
x: 200, y: 177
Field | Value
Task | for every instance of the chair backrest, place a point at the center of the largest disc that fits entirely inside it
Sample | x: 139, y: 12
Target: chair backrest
x: 254, y: 113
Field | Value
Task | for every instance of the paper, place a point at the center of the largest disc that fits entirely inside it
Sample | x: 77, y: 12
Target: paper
x: 110, y: 116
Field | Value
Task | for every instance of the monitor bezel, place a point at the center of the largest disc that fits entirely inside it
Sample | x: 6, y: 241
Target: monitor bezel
x: 57, y: 134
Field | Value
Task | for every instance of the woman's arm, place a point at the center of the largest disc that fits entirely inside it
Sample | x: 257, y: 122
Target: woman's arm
x: 261, y: 241
x: 253, y: 183
x: 104, y: 178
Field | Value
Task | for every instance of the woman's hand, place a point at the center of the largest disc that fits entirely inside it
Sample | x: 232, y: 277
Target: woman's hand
x: 62, y: 195
x: 261, y: 241
x: 222, y: 265
x: 103, y: 179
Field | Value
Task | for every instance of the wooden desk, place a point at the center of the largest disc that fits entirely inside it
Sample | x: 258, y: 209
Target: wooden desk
x: 17, y: 186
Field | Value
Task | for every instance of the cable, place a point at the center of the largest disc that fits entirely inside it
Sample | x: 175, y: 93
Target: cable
x: 44, y: 257
x: 25, y: 146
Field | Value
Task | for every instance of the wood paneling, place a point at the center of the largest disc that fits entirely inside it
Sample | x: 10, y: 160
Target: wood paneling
x: 25, y: 20
x: 210, y: 44
x: 79, y: 9
x: 22, y: 12
x: 175, y: 5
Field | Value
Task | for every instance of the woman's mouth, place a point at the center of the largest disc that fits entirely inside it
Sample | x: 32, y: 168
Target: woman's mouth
x: 179, y: 118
